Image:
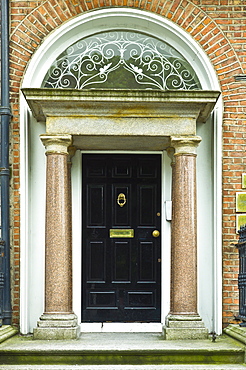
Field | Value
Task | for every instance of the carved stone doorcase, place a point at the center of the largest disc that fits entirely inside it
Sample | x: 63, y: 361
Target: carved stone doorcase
x: 120, y: 120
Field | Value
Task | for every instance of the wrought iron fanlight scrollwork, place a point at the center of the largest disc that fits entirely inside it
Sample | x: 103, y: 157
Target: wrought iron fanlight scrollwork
x: 121, y: 59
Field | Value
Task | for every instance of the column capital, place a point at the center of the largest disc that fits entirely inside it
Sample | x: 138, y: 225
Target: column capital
x: 56, y: 144
x: 185, y: 144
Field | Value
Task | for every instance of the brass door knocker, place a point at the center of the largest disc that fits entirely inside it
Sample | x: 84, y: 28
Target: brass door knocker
x: 121, y: 200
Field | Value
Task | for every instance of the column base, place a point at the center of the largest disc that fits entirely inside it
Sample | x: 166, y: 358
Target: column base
x: 57, y: 326
x: 184, y: 327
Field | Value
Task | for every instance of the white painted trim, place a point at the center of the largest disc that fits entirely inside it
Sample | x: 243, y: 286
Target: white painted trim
x: 87, y: 24
x: 166, y: 237
x: 119, y: 18
x: 24, y: 313
x: 119, y: 327
x: 218, y: 119
x: 76, y: 179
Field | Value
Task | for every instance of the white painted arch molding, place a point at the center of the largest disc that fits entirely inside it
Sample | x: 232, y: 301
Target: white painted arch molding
x: 101, y: 20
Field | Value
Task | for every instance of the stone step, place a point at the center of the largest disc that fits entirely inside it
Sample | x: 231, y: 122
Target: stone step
x: 124, y: 367
x: 93, y: 351
x: 99, y: 357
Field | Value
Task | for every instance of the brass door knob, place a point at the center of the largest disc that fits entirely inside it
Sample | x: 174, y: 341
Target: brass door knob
x: 155, y: 233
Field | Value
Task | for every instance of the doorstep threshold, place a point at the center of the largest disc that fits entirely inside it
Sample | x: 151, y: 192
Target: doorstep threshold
x: 120, y: 327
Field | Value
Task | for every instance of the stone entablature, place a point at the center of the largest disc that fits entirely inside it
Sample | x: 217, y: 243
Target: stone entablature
x: 121, y: 119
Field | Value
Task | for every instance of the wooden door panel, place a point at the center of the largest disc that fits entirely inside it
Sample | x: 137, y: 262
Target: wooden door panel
x: 96, y: 269
x: 121, y: 215
x: 121, y: 168
x: 147, y: 205
x: 96, y: 168
x: 121, y: 264
x: 121, y: 275
x: 95, y: 205
x: 102, y: 299
x: 141, y: 300
x: 147, y: 261
x: 147, y: 168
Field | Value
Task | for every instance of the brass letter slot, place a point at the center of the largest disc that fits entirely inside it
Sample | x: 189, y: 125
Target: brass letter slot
x: 121, y: 233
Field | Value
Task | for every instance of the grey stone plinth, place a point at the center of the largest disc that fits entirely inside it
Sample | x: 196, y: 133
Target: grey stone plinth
x: 57, y: 326
x: 185, y: 333
x: 56, y: 333
x: 237, y: 332
x: 184, y: 327
x: 7, y: 331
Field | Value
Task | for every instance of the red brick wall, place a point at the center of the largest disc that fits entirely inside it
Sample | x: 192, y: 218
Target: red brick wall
x: 219, y: 27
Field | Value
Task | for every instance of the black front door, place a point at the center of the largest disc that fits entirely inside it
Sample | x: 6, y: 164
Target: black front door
x: 121, y: 257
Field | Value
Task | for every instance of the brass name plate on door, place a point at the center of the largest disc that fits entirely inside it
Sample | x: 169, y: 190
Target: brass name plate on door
x: 121, y: 233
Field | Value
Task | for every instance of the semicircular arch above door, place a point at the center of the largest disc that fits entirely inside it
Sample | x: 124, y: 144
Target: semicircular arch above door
x: 121, y: 59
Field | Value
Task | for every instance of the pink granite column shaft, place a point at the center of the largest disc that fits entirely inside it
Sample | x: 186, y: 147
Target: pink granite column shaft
x: 184, y: 228
x: 58, y: 251
x: 58, y: 268
x: 71, y: 153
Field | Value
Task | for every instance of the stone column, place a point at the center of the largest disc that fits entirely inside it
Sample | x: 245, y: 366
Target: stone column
x: 58, y: 320
x: 184, y: 322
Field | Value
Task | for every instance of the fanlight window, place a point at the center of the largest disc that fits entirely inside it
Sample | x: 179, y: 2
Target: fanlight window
x: 121, y: 60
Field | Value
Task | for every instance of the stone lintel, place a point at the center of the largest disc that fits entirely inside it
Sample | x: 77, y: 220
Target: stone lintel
x: 112, y: 126
x: 133, y: 143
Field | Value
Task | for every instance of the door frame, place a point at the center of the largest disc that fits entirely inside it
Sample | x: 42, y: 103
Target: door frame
x: 77, y: 250
x: 32, y: 185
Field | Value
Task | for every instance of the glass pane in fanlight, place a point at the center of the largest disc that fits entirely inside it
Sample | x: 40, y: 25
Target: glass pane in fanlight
x: 121, y: 60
